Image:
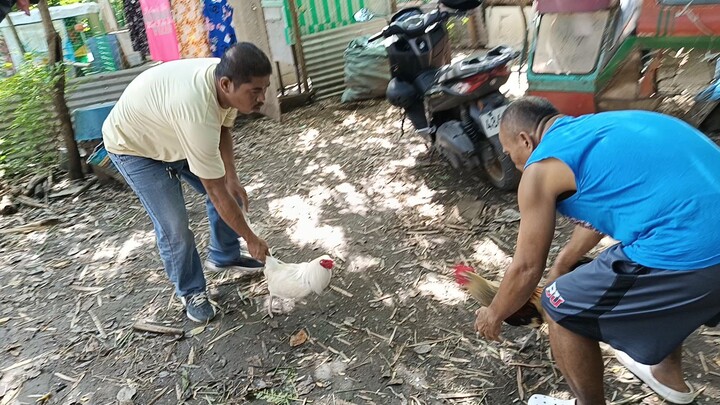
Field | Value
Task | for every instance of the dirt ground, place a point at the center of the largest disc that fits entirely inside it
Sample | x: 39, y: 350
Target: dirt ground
x: 394, y: 329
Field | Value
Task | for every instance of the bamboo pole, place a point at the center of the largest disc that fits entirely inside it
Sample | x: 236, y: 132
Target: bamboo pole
x: 297, y: 38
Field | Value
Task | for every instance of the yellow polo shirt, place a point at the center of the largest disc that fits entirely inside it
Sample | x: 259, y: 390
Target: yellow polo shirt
x: 170, y: 112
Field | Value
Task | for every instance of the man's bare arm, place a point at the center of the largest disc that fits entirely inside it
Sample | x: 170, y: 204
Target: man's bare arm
x: 227, y: 153
x: 540, y: 186
x: 582, y: 240
x: 232, y: 214
x: 232, y: 182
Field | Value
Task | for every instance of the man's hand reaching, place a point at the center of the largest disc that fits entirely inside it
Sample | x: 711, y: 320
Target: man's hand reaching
x: 487, y: 325
x: 258, y: 248
x: 23, y: 5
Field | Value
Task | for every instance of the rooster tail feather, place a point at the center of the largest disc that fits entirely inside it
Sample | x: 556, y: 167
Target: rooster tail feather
x: 481, y: 289
x: 461, y: 272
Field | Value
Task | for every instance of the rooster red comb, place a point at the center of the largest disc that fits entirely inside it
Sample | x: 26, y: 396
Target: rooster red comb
x: 327, y: 264
x: 460, y: 273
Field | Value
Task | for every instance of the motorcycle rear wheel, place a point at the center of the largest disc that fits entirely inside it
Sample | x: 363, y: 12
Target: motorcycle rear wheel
x: 499, y: 167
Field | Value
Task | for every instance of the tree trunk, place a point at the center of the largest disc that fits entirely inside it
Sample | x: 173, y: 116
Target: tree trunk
x: 55, y: 62
x: 15, y: 34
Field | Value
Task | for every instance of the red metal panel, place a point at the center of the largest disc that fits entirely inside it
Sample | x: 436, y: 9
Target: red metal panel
x: 572, y: 6
x: 678, y: 21
x: 568, y: 102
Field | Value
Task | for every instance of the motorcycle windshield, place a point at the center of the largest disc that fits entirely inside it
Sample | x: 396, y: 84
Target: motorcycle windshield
x: 569, y: 43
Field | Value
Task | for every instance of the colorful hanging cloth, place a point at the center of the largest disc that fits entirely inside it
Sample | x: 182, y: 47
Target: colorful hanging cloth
x: 160, y: 28
x: 218, y: 20
x: 190, y: 23
x: 136, y: 26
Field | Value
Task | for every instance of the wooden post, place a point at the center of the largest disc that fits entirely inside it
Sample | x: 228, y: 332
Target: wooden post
x: 249, y: 22
x: 108, y: 16
x: 473, y: 29
x: 297, y: 39
x: 55, y: 63
x: 481, y: 26
x: 526, y: 34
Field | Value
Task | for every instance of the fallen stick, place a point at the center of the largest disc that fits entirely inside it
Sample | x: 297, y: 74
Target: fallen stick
x: 233, y: 330
x: 33, y: 183
x: 98, y: 324
x: 521, y: 390
x: 66, y: 378
x: 528, y: 365
x: 29, y: 202
x: 341, y: 291
x: 32, y: 226
x: 158, y: 396
x: 24, y: 362
x: 163, y: 330
x: 431, y: 342
x: 85, y: 187
x: 462, y: 395
x: 397, y: 355
x: 384, y: 297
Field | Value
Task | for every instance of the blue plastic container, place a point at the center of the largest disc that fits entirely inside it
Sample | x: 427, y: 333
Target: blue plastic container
x: 88, y: 121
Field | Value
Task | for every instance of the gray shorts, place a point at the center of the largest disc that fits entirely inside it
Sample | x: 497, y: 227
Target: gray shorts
x: 642, y: 311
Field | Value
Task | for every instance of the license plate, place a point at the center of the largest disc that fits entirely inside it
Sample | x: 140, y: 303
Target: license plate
x: 490, y: 121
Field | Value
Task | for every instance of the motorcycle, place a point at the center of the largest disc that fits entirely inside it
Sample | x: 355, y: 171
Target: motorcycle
x: 454, y: 107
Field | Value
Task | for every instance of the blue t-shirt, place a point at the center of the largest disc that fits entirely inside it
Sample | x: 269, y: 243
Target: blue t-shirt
x: 648, y: 180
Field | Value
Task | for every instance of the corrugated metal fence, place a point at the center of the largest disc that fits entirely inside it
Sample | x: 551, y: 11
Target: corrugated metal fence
x: 326, y: 29
x: 81, y: 92
x: 320, y: 15
x: 100, y: 88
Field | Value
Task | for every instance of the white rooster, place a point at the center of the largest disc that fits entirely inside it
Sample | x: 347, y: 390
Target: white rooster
x: 296, y: 280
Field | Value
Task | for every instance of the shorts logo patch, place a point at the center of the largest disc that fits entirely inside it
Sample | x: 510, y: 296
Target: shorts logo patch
x: 554, y: 296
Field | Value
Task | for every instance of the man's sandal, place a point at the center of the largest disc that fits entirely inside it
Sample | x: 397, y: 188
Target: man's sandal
x: 538, y: 399
x: 644, y: 373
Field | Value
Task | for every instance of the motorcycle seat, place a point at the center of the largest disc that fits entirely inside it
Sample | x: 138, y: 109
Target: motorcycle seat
x: 478, y: 64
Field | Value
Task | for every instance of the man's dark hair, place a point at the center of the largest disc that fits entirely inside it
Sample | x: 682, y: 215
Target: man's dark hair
x: 241, y: 62
x: 526, y: 113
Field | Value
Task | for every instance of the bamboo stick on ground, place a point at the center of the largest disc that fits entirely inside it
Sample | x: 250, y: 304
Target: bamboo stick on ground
x: 164, y: 330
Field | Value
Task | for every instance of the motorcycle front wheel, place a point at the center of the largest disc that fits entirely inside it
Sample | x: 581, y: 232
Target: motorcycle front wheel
x: 499, y: 167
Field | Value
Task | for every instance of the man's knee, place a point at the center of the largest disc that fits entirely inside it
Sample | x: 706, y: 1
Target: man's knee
x: 174, y: 230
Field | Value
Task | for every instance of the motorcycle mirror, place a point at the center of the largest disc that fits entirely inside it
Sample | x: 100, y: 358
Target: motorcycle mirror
x: 376, y: 37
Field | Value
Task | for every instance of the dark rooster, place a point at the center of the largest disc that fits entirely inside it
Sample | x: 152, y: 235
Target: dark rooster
x: 531, y: 314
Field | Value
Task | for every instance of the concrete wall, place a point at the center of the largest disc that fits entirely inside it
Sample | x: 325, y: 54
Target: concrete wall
x: 281, y: 51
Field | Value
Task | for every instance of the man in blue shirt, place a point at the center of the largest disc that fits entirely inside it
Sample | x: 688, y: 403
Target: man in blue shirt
x: 647, y: 180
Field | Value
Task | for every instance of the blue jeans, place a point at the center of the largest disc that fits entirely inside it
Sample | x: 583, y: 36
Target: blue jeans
x: 157, y: 185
